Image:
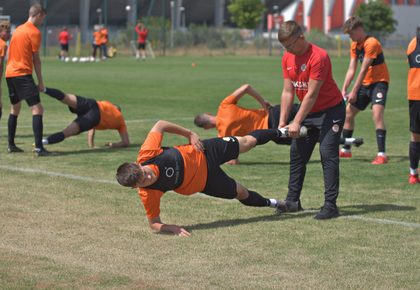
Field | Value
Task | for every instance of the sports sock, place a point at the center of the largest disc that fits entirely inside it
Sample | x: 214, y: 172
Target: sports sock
x: 255, y: 199
x: 414, y: 154
x: 56, y: 94
x: 55, y: 138
x: 380, y: 139
x: 1, y: 111
x: 37, y: 127
x: 263, y: 136
x: 11, y: 127
x: 347, y: 134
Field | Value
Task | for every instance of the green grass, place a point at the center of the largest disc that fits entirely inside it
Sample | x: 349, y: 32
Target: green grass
x: 60, y: 232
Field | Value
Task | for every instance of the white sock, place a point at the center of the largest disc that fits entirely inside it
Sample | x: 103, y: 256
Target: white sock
x: 381, y: 154
x: 273, y: 202
x: 349, y: 141
x: 414, y: 171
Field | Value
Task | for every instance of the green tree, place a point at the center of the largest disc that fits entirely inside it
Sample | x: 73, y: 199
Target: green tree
x: 246, y: 13
x: 377, y: 18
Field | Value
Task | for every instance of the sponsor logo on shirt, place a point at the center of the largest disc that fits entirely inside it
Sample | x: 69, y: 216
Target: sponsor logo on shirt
x: 299, y: 85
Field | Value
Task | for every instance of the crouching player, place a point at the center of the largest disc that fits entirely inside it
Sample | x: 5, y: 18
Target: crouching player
x: 188, y: 169
x: 91, y: 115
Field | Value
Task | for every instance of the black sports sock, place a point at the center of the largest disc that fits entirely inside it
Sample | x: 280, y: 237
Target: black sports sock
x: 347, y: 134
x: 56, y: 94
x: 1, y: 112
x: 263, y: 136
x: 11, y: 127
x: 414, y: 154
x: 380, y: 139
x: 37, y: 127
x: 55, y: 138
x: 255, y: 199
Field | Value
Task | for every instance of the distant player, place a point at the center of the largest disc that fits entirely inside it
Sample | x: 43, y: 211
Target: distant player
x: 234, y: 120
x: 188, y: 169
x: 91, y: 115
x: 370, y: 86
x: 64, y: 38
x: 413, y: 92
x: 97, y: 40
x: 4, y: 37
x: 142, y: 33
x: 23, y: 57
x: 104, y: 41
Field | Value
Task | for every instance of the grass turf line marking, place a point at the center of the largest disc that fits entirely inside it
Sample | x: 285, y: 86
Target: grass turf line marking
x: 90, y: 179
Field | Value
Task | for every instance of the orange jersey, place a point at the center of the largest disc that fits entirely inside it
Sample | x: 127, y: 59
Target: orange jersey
x: 26, y: 41
x: 372, y: 49
x: 195, y: 172
x: 104, y: 36
x: 3, y: 48
x: 413, y: 81
x: 233, y: 120
x: 64, y: 37
x: 111, y: 117
x: 97, y: 38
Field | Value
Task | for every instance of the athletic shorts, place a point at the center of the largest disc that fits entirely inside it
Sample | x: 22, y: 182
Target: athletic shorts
x: 217, y: 152
x: 414, y: 109
x: 88, y: 115
x: 65, y: 47
x: 23, y: 88
x: 141, y: 46
x: 375, y: 93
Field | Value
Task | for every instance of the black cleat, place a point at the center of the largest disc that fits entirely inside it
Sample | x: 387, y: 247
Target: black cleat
x: 288, y: 206
x: 41, y: 152
x: 327, y: 212
x: 14, y: 149
x: 358, y: 141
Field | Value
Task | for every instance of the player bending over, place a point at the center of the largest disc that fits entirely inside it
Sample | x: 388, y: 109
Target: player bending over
x: 91, y: 115
x: 188, y: 169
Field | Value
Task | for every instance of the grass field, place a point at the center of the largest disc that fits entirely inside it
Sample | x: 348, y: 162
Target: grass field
x: 65, y: 223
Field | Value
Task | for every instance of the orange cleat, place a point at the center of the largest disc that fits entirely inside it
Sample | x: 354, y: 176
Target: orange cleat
x: 345, y: 154
x: 380, y: 159
x: 413, y: 179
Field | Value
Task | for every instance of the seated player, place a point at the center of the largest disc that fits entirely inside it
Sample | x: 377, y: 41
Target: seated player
x: 91, y: 115
x: 188, y: 169
x: 234, y: 120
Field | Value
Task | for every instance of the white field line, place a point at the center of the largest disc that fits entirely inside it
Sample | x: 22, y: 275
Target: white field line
x: 62, y: 125
x: 91, y: 179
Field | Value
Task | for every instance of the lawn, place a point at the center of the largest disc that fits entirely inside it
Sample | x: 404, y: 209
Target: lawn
x: 66, y: 223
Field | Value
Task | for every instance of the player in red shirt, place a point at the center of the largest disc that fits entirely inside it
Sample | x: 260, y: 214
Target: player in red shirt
x: 91, y: 115
x: 4, y: 37
x: 307, y: 73
x: 188, y: 169
x: 142, y: 33
x: 64, y: 38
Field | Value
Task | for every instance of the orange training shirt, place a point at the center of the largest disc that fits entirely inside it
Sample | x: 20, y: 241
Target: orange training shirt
x: 195, y: 172
x: 26, y: 40
x: 111, y: 117
x: 413, y: 81
x: 233, y: 120
x: 97, y: 38
x: 372, y: 48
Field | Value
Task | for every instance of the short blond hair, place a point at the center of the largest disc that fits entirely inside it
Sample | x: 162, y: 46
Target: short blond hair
x: 37, y: 9
x: 288, y: 29
x: 352, y: 23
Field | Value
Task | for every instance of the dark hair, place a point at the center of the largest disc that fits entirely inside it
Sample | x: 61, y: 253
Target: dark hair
x: 128, y: 174
x: 201, y: 120
x: 288, y: 29
x: 352, y: 23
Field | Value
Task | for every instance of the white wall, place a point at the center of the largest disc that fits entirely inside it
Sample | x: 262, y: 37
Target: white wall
x: 408, y: 18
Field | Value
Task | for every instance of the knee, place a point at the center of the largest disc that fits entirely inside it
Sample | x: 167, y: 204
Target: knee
x: 37, y: 109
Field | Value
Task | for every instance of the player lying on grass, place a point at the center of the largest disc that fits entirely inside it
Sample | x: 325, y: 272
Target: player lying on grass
x: 91, y: 115
x: 234, y: 120
x: 188, y: 169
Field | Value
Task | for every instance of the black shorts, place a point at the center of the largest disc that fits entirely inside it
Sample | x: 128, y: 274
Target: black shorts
x: 217, y: 152
x: 23, y: 88
x: 88, y: 115
x: 65, y: 47
x: 375, y: 93
x: 141, y: 46
x: 414, y: 109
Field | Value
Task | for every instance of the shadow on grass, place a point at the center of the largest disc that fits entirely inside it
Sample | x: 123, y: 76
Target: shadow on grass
x: 348, y: 210
x: 91, y: 151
